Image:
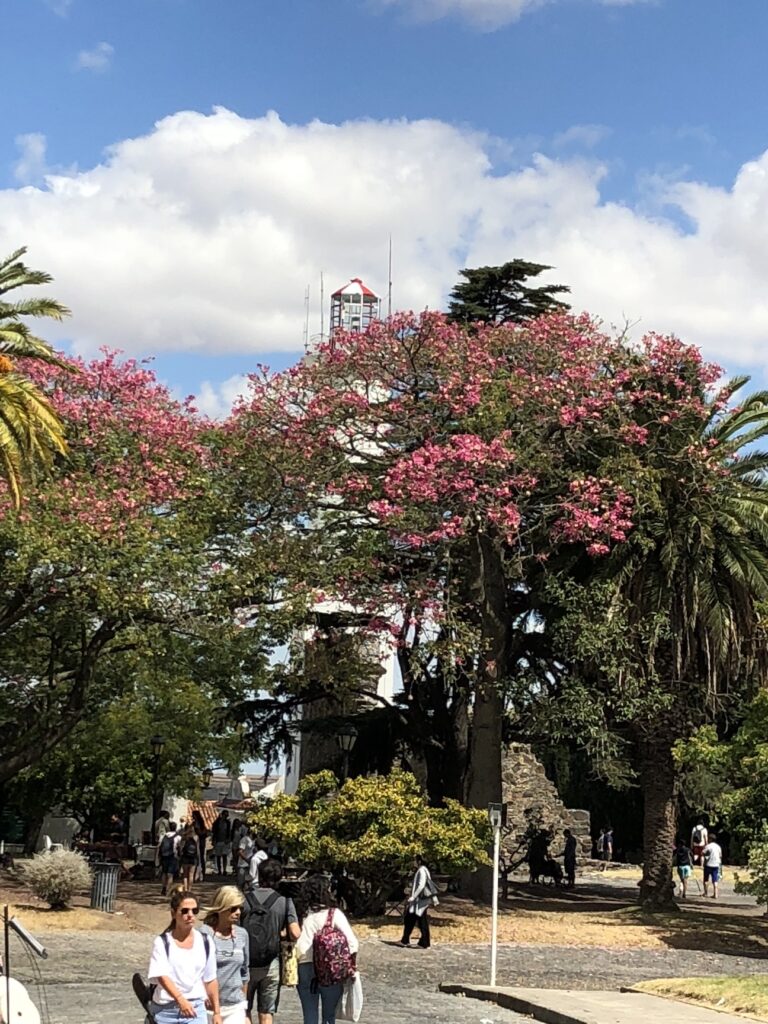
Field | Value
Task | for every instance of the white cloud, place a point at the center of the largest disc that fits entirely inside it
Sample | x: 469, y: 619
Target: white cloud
x: 60, y: 7
x: 583, y: 136
x: 216, y: 400
x: 98, y: 59
x: 204, y: 233
x: 485, y: 14
x: 31, y: 167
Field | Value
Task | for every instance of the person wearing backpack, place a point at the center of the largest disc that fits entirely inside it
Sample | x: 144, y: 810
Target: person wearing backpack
x: 183, y: 969
x: 169, y: 856
x: 189, y: 856
x: 327, y: 951
x: 699, y: 839
x: 267, y: 917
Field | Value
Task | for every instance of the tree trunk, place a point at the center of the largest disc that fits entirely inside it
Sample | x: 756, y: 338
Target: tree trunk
x: 483, y: 782
x: 658, y: 780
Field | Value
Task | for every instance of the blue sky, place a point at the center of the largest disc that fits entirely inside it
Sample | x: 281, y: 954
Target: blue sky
x: 186, y: 168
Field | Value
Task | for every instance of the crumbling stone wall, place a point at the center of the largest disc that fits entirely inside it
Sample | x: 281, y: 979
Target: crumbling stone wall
x: 525, y: 787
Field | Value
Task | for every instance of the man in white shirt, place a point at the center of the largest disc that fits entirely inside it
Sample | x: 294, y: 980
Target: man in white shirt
x: 713, y: 863
x: 258, y: 857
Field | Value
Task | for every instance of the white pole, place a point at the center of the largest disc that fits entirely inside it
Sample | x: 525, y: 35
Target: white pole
x: 495, y: 903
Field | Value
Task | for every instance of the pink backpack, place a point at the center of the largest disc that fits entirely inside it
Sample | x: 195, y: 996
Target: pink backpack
x: 330, y: 954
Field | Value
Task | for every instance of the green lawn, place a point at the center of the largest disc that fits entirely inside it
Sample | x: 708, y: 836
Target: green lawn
x: 747, y: 995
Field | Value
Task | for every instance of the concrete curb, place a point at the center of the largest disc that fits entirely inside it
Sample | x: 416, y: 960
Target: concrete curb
x: 508, y: 1001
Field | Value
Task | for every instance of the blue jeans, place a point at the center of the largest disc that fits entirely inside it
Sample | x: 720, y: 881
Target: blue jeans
x: 326, y: 996
x: 169, y: 1013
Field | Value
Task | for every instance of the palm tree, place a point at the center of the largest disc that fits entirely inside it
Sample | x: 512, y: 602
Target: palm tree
x: 31, y: 433
x: 699, y: 569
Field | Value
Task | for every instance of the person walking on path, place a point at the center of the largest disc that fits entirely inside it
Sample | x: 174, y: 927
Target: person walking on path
x: 189, y: 856
x: 258, y: 857
x: 232, y: 955
x: 319, y: 1001
x: 183, y: 969
x: 684, y: 864
x: 699, y: 840
x: 202, y: 838
x: 245, y: 850
x: 168, y: 855
x: 569, y: 858
x: 268, y: 916
x: 161, y: 825
x: 423, y: 892
x: 712, y: 855
x: 608, y: 844
x: 221, y: 836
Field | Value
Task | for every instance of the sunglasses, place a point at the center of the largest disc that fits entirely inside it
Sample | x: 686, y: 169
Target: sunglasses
x: 235, y: 910
x: 190, y: 910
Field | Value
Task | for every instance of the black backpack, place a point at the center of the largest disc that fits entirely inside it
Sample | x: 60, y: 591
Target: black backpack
x: 263, y: 929
x: 167, y: 844
x: 189, y: 849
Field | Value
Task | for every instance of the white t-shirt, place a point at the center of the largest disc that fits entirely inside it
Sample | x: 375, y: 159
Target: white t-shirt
x: 188, y: 968
x: 253, y: 867
x: 244, y: 848
x: 312, y: 925
x: 713, y: 855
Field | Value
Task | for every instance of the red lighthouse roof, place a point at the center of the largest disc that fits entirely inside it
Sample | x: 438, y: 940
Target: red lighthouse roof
x: 355, y: 287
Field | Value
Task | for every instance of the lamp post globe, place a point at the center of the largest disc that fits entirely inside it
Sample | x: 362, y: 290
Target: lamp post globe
x: 346, y: 737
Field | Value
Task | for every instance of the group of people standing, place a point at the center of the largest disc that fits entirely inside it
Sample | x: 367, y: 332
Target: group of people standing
x: 182, y: 850
x: 704, y: 852
x: 234, y: 965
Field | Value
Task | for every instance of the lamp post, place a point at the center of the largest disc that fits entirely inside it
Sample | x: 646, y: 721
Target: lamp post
x: 205, y: 777
x: 496, y: 815
x: 346, y: 738
x: 157, y: 743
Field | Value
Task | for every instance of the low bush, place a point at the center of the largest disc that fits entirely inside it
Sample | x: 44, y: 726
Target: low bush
x: 56, y: 877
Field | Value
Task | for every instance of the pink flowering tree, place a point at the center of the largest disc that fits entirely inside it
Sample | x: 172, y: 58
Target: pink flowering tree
x: 442, y: 474
x: 107, y: 565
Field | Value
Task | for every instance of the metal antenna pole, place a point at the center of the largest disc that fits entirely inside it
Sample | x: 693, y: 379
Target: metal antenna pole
x: 306, y: 319
x: 389, y: 290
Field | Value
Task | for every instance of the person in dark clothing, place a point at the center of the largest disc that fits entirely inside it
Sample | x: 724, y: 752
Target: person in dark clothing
x: 684, y: 863
x: 221, y: 834
x: 569, y: 858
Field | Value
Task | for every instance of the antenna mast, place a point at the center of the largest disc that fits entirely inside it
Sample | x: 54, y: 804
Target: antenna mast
x: 389, y: 277
x: 306, y: 319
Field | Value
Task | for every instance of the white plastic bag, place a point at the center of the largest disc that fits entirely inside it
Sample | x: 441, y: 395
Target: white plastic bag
x: 351, y: 1003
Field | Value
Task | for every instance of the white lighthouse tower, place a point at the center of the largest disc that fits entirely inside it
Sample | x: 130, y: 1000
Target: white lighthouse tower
x: 354, y: 307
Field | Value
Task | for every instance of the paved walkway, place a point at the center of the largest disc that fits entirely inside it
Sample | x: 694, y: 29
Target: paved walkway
x: 571, y: 1007
x: 87, y: 981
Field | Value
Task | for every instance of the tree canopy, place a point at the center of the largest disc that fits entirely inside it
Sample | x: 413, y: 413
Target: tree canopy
x: 498, y: 295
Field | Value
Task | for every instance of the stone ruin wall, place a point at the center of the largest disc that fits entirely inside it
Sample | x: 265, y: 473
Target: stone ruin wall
x: 525, y: 787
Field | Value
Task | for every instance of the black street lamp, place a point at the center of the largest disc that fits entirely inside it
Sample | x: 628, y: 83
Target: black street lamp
x: 346, y: 738
x: 206, y: 776
x: 157, y: 743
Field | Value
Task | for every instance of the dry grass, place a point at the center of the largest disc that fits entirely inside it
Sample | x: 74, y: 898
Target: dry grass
x: 747, y: 995
x: 461, y: 921
x: 39, y: 919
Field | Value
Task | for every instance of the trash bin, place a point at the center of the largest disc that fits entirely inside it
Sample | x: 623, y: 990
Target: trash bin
x: 104, y: 888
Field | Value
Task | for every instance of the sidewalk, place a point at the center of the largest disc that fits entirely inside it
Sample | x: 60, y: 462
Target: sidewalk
x: 568, y: 1006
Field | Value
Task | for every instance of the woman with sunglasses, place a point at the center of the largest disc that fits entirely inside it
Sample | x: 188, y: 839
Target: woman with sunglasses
x: 183, y: 968
x: 232, y: 954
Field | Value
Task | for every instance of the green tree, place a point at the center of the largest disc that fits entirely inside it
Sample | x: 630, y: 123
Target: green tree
x: 106, y: 763
x: 497, y: 295
x: 674, y: 634
x: 372, y: 827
